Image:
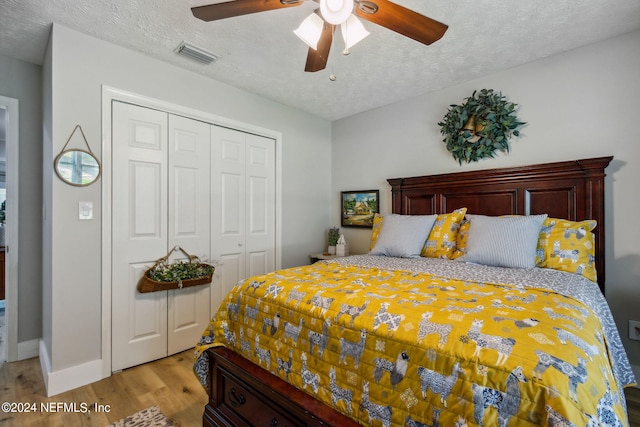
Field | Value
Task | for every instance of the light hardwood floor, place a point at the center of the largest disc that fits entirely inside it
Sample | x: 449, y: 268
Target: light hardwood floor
x: 168, y: 383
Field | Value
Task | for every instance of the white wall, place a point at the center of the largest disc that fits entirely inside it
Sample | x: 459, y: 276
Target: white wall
x: 80, y: 65
x: 579, y: 104
x: 46, y: 344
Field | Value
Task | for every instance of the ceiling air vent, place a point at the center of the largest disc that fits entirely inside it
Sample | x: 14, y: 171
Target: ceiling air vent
x: 195, y: 53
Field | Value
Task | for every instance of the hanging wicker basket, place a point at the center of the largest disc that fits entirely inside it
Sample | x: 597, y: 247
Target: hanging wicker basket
x: 147, y: 284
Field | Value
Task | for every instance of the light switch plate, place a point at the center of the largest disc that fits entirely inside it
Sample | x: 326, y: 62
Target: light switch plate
x: 85, y: 210
x: 634, y: 330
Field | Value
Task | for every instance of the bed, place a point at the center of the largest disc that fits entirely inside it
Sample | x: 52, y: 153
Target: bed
x: 498, y: 319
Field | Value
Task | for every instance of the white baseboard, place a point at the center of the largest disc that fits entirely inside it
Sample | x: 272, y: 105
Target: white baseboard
x: 28, y: 349
x: 45, y: 363
x: 69, y: 378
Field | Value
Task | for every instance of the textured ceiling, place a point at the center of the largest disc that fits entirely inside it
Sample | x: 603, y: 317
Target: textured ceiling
x: 261, y: 54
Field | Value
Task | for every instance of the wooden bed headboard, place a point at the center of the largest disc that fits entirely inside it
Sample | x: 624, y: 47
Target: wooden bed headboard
x: 572, y: 190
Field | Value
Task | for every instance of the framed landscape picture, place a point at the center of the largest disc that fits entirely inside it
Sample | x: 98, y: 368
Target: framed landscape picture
x: 359, y: 207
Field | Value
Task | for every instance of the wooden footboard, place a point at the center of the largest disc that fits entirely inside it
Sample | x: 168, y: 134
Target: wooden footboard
x: 243, y: 394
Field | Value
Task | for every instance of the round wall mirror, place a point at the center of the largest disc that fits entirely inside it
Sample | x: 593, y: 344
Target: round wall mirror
x: 77, y: 167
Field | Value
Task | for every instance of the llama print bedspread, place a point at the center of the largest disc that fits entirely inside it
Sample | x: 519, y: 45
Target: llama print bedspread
x: 397, y: 343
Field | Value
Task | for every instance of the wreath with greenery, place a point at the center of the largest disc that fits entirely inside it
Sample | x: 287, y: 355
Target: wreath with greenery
x: 478, y: 127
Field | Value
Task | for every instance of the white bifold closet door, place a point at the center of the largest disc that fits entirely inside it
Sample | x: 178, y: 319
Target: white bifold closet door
x: 243, y: 207
x: 161, y: 197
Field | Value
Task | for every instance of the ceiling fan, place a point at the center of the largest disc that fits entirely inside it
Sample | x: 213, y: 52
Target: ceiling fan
x: 331, y: 13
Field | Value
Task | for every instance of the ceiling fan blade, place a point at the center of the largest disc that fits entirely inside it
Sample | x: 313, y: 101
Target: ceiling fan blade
x: 401, y: 20
x: 317, y: 58
x: 213, y: 12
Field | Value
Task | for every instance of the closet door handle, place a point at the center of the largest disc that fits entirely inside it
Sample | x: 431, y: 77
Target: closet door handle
x: 240, y: 244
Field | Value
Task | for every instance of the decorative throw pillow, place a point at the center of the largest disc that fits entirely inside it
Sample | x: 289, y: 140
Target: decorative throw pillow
x: 568, y: 246
x: 506, y: 241
x: 441, y: 242
x: 375, y: 231
x: 461, y: 239
x: 403, y: 235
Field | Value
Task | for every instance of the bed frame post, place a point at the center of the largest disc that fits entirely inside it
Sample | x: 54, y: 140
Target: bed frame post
x: 594, y: 183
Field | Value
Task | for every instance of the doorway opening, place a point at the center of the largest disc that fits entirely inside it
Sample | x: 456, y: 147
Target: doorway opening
x: 3, y: 201
x: 8, y: 229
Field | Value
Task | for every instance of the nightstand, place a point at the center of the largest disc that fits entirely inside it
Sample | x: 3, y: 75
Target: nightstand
x: 321, y: 256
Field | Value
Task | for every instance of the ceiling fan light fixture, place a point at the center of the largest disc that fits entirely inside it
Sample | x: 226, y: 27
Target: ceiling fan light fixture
x: 336, y: 11
x: 196, y: 53
x: 353, y: 32
x: 310, y: 30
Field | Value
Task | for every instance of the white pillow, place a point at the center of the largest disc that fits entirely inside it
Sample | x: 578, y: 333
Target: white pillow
x: 403, y: 235
x: 505, y: 241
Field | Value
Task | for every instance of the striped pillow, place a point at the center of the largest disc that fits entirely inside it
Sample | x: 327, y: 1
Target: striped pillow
x: 403, y: 235
x: 507, y: 241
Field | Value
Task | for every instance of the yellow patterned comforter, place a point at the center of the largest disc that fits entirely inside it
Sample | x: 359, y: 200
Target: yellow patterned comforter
x: 403, y: 347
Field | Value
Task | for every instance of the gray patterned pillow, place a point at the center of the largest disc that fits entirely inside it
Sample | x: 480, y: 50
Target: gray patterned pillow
x: 403, y: 235
x: 505, y: 241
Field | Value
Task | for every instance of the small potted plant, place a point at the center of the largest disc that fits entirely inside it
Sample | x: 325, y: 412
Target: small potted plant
x: 334, y: 235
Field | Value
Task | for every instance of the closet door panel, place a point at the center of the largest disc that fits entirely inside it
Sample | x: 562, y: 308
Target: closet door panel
x: 189, y: 225
x: 257, y: 192
x: 230, y: 273
x: 227, y: 209
x: 143, y: 329
x: 185, y: 211
x: 260, y: 200
x: 189, y: 186
x: 139, y: 204
x: 243, y: 207
x: 146, y: 203
x: 232, y: 205
x: 259, y: 263
x: 229, y: 180
x: 188, y: 316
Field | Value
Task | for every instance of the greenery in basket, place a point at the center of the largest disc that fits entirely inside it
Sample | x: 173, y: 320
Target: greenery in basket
x: 179, y: 271
x: 334, y: 235
x: 478, y: 127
